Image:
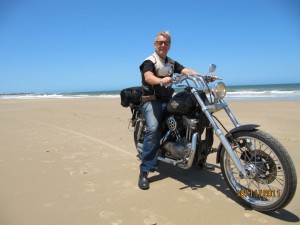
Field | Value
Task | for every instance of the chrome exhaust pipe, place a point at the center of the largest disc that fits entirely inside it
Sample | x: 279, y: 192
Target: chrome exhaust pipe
x: 193, y: 152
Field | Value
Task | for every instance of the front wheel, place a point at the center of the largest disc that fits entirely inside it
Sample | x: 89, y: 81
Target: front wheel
x: 271, y: 181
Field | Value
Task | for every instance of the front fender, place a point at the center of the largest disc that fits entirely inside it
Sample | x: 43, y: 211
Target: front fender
x: 246, y: 127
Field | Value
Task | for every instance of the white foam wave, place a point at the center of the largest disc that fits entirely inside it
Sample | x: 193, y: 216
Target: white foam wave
x: 245, y: 94
x: 274, y: 94
x: 54, y: 96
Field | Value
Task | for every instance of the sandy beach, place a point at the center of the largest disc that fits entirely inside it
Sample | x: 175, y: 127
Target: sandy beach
x: 73, y: 162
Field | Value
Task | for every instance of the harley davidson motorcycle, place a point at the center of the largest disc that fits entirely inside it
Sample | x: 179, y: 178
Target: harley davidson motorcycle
x: 255, y: 166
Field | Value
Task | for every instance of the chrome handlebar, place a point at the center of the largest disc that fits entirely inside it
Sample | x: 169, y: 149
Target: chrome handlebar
x: 199, y: 80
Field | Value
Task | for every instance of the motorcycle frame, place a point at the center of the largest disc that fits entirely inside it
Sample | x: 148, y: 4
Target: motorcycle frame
x: 219, y: 104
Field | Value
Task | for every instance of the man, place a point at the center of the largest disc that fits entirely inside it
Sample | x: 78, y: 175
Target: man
x: 155, y: 95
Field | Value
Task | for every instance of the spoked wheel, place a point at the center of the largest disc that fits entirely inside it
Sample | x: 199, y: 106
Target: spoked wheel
x: 271, y: 181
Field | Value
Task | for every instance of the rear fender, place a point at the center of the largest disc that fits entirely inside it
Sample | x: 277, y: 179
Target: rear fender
x: 246, y: 127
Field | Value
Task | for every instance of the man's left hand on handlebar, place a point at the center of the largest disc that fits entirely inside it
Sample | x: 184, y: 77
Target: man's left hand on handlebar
x: 211, y: 78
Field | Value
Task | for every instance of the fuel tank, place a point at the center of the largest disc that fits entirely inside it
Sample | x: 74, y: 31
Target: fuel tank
x: 182, y: 103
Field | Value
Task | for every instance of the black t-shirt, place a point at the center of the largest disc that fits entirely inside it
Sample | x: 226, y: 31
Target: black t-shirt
x: 162, y: 93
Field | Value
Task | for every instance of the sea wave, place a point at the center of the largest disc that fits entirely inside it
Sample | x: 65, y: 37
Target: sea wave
x: 263, y: 95
x: 54, y: 96
x: 240, y: 93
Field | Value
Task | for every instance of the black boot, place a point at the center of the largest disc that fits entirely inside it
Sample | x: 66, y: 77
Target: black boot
x: 143, y: 181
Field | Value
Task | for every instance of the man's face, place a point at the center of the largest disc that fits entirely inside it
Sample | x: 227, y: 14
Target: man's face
x: 162, y: 46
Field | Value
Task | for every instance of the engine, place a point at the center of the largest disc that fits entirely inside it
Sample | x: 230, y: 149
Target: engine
x: 178, y: 146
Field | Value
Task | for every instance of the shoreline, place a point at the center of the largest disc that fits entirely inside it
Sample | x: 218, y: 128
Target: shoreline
x: 234, y: 93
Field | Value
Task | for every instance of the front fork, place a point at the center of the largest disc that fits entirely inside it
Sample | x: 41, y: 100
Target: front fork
x: 219, y: 132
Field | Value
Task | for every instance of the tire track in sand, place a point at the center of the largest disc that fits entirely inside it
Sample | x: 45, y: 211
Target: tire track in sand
x: 87, y: 137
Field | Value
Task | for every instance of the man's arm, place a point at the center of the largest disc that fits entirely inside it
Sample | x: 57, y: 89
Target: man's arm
x: 150, y: 78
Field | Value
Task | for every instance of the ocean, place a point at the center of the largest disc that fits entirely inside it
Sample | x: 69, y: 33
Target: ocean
x: 234, y: 93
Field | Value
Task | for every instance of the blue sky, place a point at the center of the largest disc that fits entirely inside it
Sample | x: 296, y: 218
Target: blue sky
x: 92, y: 45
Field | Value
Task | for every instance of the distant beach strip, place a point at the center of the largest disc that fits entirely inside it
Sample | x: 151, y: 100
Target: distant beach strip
x: 234, y: 93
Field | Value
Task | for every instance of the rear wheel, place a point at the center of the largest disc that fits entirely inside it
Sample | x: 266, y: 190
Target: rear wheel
x: 271, y: 181
x: 139, y: 131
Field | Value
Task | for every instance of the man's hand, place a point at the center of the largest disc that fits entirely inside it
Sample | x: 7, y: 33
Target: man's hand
x: 211, y: 78
x: 215, y: 78
x: 167, y: 80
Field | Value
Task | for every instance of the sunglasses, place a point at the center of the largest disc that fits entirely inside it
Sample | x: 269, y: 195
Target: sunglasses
x: 163, y: 42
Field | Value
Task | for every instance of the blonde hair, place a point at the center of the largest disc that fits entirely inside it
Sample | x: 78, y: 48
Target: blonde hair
x: 165, y: 34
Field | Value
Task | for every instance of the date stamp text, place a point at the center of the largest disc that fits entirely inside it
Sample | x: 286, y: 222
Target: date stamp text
x: 263, y: 193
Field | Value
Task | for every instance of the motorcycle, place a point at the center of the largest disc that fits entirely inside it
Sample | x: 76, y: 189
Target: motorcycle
x: 255, y: 166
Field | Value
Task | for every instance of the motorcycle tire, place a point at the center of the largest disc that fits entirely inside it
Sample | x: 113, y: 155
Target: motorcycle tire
x: 271, y: 181
x: 138, y: 135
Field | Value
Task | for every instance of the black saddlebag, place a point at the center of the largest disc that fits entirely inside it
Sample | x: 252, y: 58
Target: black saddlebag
x: 132, y: 95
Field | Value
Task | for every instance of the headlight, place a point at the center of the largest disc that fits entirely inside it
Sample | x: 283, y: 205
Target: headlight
x: 219, y: 90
